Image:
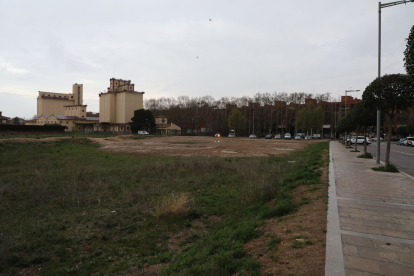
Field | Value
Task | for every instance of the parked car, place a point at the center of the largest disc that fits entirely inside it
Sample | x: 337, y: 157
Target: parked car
x: 217, y: 135
x: 375, y: 139
x: 308, y: 138
x: 278, y: 136
x: 409, y: 141
x: 142, y: 132
x: 401, y: 141
x: 360, y: 140
x: 298, y: 137
x: 350, y: 138
x: 269, y: 136
x: 232, y: 135
x: 252, y: 136
x: 288, y: 136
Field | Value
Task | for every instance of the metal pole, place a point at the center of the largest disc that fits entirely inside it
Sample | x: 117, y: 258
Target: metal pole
x: 379, y: 76
x: 346, y: 112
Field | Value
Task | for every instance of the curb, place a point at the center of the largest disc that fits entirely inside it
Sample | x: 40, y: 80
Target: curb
x: 406, y: 174
x: 334, y: 260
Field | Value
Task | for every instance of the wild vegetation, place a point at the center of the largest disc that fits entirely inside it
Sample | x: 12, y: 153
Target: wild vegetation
x: 70, y: 208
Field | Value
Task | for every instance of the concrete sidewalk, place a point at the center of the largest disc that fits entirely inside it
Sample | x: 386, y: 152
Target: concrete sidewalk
x: 370, y: 218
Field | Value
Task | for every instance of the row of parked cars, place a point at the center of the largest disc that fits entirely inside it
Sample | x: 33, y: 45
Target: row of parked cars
x: 408, y: 142
x: 271, y: 136
x: 358, y: 140
x: 279, y: 136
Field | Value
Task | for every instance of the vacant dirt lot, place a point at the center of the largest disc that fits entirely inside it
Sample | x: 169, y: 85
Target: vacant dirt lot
x: 202, y: 146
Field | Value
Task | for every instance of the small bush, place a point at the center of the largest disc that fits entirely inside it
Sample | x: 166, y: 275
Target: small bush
x: 173, y: 204
x: 283, y: 207
x: 367, y: 155
x: 274, y: 242
x: 297, y: 244
x: 391, y: 168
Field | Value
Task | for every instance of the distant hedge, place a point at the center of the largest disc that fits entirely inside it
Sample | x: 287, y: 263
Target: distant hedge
x: 32, y: 128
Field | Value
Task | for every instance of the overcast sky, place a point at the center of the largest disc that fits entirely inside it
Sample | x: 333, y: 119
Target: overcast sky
x: 248, y: 47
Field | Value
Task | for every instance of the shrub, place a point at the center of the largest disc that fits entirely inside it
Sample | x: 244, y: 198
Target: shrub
x: 283, y: 207
x: 367, y: 155
x: 391, y: 168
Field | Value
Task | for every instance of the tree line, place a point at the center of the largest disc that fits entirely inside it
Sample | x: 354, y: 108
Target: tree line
x: 194, y: 114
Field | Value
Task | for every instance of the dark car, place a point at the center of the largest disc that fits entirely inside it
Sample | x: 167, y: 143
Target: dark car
x: 269, y: 136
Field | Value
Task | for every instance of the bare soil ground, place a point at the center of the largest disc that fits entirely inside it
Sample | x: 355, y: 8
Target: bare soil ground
x: 302, y: 250
x: 201, y: 146
x: 189, y: 145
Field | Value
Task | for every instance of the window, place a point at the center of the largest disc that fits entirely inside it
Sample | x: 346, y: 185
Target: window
x: 83, y: 110
x: 67, y: 122
x: 82, y: 116
x: 60, y: 121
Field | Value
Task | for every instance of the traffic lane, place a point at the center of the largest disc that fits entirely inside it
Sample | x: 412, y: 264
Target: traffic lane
x: 400, y: 156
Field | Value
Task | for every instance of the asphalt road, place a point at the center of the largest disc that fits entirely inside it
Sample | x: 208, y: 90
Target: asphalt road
x: 400, y: 156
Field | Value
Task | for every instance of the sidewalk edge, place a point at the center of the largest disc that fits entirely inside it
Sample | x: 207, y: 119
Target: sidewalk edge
x: 334, y: 261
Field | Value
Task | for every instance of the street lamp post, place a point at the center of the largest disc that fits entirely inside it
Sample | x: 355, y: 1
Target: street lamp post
x: 380, y: 6
x: 346, y: 110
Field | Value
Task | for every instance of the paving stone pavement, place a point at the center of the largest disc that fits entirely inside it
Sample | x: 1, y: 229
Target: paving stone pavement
x: 375, y: 211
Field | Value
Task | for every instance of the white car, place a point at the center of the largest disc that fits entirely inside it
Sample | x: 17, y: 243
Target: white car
x: 375, y: 139
x: 252, y: 136
x: 278, y: 136
x: 360, y: 140
x: 288, y: 136
x: 232, y: 135
x: 142, y: 132
x: 409, y: 141
x: 298, y: 137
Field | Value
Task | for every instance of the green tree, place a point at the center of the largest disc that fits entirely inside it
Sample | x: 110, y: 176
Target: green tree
x: 142, y: 120
x: 409, y: 54
x: 18, y: 121
x: 402, y: 131
x: 317, y: 115
x: 309, y: 118
x: 363, y: 117
x: 389, y: 94
x: 345, y: 124
x: 237, y: 121
x: 410, y: 129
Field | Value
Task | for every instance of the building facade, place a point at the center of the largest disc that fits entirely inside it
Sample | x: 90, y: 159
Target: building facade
x: 117, y: 106
x: 164, y: 128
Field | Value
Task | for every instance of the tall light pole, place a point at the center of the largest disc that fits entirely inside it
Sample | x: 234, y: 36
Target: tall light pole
x: 380, y: 6
x: 346, y: 110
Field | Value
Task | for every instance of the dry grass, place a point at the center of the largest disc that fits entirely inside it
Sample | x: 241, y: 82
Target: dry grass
x: 172, y: 205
